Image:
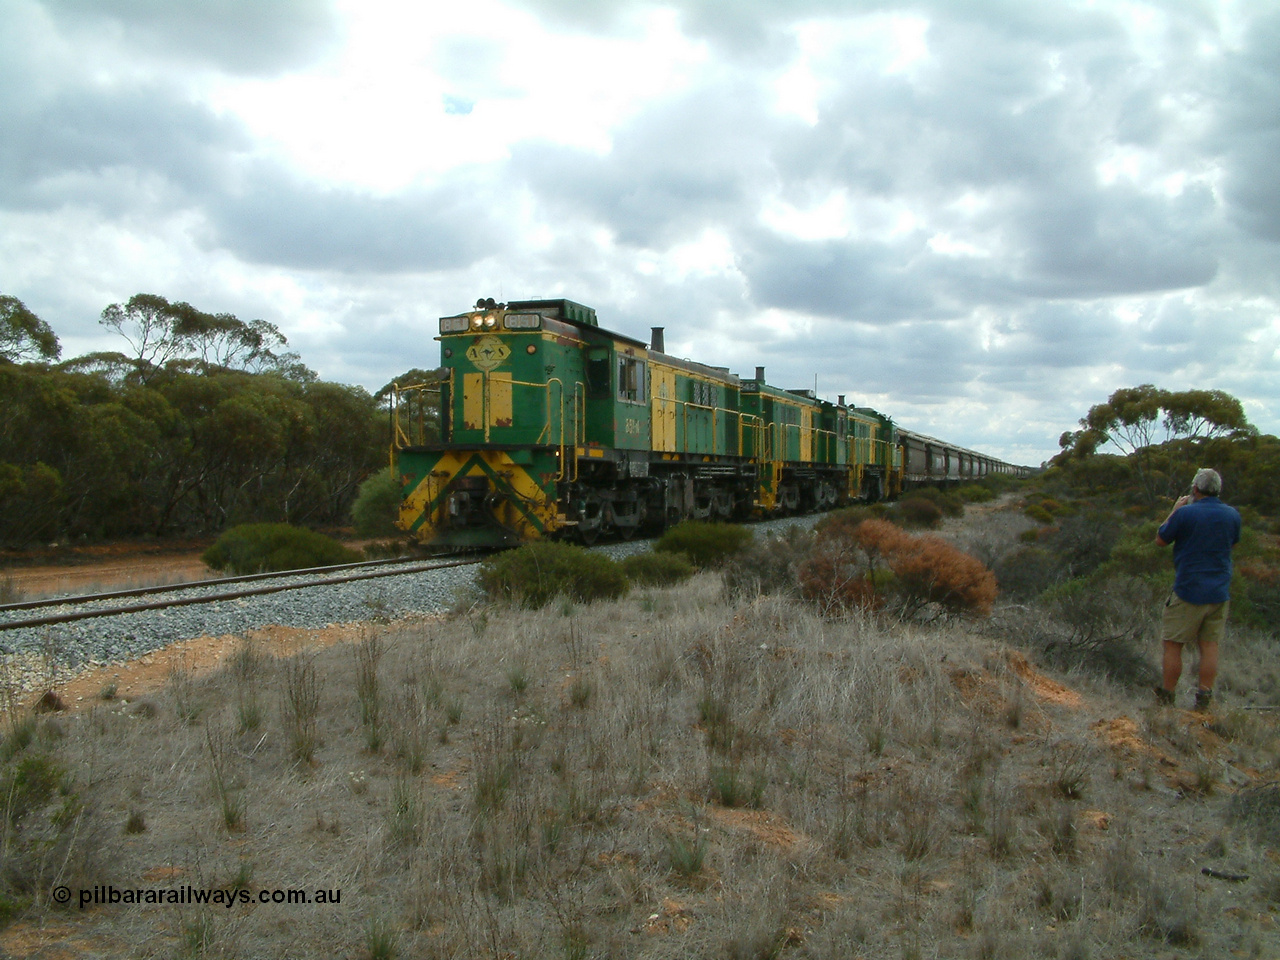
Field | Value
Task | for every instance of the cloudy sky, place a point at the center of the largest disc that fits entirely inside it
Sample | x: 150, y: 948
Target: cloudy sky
x: 979, y: 216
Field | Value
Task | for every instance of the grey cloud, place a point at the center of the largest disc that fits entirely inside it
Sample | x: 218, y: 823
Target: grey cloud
x: 644, y: 207
x: 1055, y: 336
x: 983, y: 116
x: 239, y: 36
x: 133, y: 152
x: 680, y: 166
x: 843, y: 278
x: 754, y: 29
x: 275, y: 219
x: 89, y: 146
x: 1248, y: 132
x: 1117, y: 241
x: 911, y: 361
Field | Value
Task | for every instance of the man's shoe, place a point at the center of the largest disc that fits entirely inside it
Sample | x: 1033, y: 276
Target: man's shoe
x: 1204, y: 701
x: 1164, y: 697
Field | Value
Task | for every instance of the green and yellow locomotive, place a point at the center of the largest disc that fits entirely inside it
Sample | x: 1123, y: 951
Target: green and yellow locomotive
x: 540, y: 423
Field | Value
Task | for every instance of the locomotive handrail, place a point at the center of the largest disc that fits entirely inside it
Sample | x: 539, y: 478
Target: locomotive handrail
x: 557, y: 381
x: 399, y: 436
x: 715, y: 419
x: 580, y: 425
x: 757, y: 445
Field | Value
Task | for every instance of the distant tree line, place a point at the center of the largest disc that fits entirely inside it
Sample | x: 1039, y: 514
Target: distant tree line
x: 204, y: 421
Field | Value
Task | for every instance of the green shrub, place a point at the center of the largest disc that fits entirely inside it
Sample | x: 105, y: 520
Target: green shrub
x: 950, y: 504
x: 49, y: 835
x: 707, y: 545
x: 1255, y: 596
x: 920, y: 512
x: 30, y: 784
x: 1039, y: 514
x: 537, y: 573
x: 261, y: 547
x: 657, y: 569
x: 1105, y: 624
x: 1027, y: 572
x: 377, y: 505
x: 975, y: 493
x: 1136, y: 553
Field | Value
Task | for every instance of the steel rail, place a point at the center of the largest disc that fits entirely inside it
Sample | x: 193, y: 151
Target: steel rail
x: 192, y: 585
x: 230, y: 595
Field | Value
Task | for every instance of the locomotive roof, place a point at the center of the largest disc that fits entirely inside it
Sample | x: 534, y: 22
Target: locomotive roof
x: 570, y: 312
x: 692, y: 366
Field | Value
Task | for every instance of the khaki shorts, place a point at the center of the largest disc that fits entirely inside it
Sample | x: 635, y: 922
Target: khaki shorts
x: 1193, y: 622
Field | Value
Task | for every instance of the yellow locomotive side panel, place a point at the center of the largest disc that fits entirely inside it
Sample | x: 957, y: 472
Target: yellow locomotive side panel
x: 499, y: 399
x: 473, y: 401
x: 806, y: 434
x: 486, y: 401
x: 663, y: 421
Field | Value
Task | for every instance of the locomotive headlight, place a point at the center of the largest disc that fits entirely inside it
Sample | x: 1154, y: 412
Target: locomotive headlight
x: 490, y: 321
x: 476, y: 321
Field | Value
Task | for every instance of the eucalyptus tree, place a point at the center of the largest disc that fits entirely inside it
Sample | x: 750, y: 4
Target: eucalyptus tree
x: 23, y: 335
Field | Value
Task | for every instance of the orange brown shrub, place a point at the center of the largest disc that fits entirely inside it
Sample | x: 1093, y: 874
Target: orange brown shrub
x: 850, y: 567
x: 930, y: 570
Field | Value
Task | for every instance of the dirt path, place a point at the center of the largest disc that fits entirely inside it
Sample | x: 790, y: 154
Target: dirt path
x: 106, y: 566
x: 147, y: 674
x: 116, y: 567
x: 140, y: 571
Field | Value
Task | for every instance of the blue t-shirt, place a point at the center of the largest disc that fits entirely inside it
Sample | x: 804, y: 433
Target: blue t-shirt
x: 1202, y: 533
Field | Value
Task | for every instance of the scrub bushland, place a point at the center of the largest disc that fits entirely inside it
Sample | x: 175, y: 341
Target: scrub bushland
x: 684, y: 771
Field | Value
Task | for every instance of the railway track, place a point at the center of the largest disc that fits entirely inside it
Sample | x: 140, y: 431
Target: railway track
x: 317, y: 577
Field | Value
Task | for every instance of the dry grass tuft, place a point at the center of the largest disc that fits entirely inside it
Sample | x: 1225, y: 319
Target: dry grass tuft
x: 690, y: 771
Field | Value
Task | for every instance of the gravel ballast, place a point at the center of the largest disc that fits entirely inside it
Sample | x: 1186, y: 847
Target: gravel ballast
x: 115, y: 639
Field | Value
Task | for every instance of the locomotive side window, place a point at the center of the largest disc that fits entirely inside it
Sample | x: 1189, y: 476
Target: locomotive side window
x: 598, y: 372
x: 631, y: 380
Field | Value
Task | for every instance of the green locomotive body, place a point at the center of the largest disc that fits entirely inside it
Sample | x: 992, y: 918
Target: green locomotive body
x: 551, y: 426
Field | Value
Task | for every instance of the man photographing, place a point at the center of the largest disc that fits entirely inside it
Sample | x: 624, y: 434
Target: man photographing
x: 1202, y: 530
